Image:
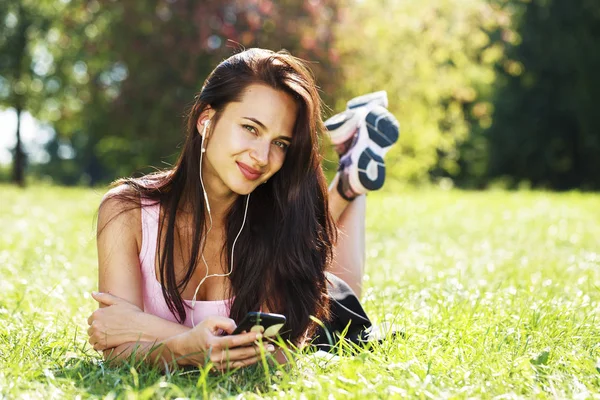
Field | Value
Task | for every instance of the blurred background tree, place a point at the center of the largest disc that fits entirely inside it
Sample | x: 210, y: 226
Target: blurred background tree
x: 546, y: 127
x: 435, y: 58
x: 25, y: 61
x: 140, y: 64
x: 485, y: 90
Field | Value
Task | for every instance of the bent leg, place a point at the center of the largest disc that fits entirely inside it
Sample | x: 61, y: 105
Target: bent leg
x: 362, y: 135
x: 347, y: 314
x: 349, y: 252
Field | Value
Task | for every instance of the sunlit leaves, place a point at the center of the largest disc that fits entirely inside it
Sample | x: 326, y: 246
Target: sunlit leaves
x: 433, y: 57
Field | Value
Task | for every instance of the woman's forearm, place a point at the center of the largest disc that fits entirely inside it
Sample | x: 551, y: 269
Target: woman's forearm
x: 159, y: 353
x: 156, y: 329
x: 119, y: 321
x: 196, y: 346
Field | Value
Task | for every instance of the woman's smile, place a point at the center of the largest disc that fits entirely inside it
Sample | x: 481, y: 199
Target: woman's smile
x: 250, y: 173
x: 254, y: 133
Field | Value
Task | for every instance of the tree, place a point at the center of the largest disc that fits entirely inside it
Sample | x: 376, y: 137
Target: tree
x: 546, y: 129
x: 434, y: 58
x: 30, y: 78
x: 140, y: 63
x: 19, y: 84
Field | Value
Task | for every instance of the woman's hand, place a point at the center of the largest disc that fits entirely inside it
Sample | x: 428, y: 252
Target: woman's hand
x: 114, y: 324
x: 204, y: 343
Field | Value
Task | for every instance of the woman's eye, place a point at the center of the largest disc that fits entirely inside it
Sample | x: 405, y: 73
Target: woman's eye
x: 281, y: 145
x: 250, y: 129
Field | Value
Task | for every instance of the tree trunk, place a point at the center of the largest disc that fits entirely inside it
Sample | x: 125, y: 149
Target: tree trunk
x: 19, y: 101
x: 19, y: 155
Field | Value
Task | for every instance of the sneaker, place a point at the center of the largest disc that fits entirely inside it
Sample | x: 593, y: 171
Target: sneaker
x: 375, y: 98
x: 362, y: 168
x: 383, y: 129
x: 342, y: 127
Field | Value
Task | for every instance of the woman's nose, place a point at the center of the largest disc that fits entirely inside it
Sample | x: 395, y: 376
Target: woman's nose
x: 260, y: 153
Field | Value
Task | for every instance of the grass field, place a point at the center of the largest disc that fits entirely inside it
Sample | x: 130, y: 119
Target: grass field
x: 498, y: 294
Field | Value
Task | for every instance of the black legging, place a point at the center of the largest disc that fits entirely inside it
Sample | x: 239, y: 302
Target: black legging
x: 346, y: 311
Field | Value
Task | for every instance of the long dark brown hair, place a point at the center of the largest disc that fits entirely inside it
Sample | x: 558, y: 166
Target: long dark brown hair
x: 286, y: 245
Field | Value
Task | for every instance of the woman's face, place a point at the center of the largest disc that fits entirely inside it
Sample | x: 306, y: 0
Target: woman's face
x: 249, y: 142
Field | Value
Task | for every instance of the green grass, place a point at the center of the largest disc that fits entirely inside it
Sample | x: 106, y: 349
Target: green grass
x: 498, y: 294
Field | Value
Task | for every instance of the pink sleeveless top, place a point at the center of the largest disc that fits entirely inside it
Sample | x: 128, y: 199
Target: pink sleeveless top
x: 154, y: 302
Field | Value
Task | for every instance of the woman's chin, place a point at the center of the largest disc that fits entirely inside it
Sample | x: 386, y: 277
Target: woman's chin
x: 244, y: 188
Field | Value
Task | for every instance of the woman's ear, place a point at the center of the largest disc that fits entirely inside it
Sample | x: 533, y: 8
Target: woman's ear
x: 204, y: 120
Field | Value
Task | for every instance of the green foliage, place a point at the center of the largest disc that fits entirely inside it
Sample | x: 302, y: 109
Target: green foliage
x: 546, y: 127
x: 35, y: 44
x: 26, y: 63
x: 434, y: 58
x: 485, y: 90
x: 23, y: 33
x: 497, y: 293
x: 139, y: 65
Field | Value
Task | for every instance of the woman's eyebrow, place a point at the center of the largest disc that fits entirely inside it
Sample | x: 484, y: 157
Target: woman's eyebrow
x: 257, y: 122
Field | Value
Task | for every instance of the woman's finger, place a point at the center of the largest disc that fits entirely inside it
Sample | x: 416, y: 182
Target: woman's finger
x: 231, y: 341
x: 239, y: 353
x: 225, y: 365
x: 215, y: 322
x: 94, y: 343
x: 106, y: 298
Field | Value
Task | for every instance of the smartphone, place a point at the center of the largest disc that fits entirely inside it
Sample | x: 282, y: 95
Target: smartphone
x: 267, y: 323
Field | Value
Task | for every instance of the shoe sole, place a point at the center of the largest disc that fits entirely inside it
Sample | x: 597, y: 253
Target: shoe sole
x: 368, y: 171
x: 367, y: 163
x: 383, y: 129
x: 341, y: 126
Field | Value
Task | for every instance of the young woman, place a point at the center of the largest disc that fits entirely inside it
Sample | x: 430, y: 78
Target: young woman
x: 243, y: 222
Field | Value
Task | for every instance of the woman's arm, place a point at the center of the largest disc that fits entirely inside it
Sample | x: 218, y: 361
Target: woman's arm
x: 120, y: 322
x: 196, y: 346
x: 120, y: 318
x: 158, y: 353
x: 118, y: 240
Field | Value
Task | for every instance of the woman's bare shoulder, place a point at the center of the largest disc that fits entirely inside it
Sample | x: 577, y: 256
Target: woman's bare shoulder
x: 120, y: 199
x: 121, y: 206
x: 117, y: 192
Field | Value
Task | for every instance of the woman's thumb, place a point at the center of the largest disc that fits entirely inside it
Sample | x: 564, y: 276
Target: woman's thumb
x: 105, y: 298
x: 217, y: 322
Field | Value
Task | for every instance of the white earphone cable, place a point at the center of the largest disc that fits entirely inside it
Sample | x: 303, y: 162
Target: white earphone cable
x: 209, y: 229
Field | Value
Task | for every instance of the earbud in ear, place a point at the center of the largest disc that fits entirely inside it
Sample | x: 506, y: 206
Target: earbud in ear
x: 204, y: 126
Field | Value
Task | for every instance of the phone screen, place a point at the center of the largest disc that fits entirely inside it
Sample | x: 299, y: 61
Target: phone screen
x: 267, y: 323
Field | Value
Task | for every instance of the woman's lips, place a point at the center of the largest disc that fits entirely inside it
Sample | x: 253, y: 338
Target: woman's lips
x: 250, y: 173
